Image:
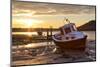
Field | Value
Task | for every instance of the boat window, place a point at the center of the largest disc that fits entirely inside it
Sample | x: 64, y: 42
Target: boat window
x: 61, y: 31
x: 67, y: 30
x: 74, y: 28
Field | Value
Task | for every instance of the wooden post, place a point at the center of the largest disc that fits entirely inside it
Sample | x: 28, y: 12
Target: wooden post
x: 50, y: 32
x: 47, y: 34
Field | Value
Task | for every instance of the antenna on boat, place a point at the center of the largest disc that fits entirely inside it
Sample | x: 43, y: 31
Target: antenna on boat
x: 67, y: 20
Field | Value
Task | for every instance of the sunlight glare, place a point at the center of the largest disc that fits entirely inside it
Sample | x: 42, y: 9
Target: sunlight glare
x: 29, y: 45
x: 30, y: 22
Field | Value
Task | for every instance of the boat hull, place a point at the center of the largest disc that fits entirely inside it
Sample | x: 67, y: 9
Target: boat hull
x: 79, y: 44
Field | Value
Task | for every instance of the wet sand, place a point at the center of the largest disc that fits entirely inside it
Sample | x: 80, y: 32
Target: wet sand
x: 52, y: 55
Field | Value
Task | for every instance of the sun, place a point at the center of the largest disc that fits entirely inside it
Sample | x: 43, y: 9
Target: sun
x: 29, y: 22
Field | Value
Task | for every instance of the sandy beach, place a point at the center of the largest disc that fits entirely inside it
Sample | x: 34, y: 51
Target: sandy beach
x: 50, y: 55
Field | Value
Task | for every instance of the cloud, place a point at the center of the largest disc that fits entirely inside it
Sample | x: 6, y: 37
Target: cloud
x: 36, y: 8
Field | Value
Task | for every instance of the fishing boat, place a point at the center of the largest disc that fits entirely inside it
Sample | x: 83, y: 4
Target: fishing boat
x: 39, y: 32
x: 69, y: 38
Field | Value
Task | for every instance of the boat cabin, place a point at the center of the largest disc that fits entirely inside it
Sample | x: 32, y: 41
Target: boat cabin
x: 68, y: 28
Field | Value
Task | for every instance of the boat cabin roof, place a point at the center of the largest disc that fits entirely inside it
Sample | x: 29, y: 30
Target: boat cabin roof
x: 67, y: 28
x: 68, y: 25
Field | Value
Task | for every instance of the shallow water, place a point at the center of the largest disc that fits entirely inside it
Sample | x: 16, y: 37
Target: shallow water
x: 91, y: 34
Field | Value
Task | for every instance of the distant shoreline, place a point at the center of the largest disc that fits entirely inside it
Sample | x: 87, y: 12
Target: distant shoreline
x: 42, y: 29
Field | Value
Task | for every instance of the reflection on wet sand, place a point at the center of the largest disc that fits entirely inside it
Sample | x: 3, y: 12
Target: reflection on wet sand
x: 50, y: 54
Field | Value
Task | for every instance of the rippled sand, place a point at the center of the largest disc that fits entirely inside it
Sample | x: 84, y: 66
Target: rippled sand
x: 49, y: 54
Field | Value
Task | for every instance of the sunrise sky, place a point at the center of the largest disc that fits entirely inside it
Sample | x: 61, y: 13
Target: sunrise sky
x: 37, y: 14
